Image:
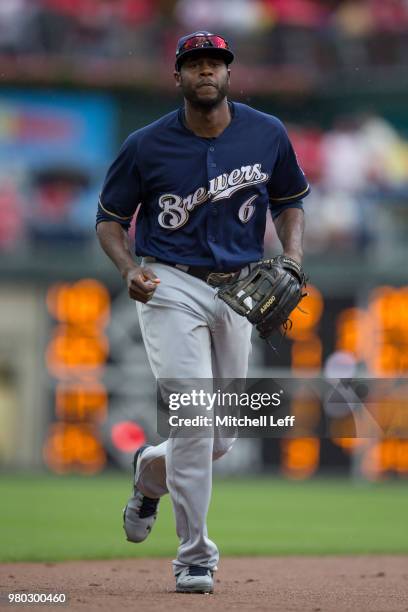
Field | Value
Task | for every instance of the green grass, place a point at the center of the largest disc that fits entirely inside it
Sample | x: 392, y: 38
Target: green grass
x: 45, y: 518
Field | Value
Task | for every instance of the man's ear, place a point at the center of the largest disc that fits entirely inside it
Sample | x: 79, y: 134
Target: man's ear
x: 177, y: 78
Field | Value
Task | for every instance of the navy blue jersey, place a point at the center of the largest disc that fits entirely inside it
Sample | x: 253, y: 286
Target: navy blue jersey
x: 203, y: 201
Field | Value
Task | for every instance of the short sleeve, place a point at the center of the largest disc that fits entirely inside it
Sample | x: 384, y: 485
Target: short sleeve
x: 288, y: 184
x: 121, y: 191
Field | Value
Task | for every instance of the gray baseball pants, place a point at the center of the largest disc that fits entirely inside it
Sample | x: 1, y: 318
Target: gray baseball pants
x: 189, y: 333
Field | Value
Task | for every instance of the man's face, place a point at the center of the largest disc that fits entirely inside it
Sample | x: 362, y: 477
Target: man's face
x: 204, y: 80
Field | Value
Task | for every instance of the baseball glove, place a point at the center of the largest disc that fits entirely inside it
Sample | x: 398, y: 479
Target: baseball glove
x: 268, y: 294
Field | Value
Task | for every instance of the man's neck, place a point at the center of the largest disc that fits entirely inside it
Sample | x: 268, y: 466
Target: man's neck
x: 208, y: 122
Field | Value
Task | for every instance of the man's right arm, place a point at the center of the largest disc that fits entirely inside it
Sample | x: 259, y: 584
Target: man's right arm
x: 141, y: 282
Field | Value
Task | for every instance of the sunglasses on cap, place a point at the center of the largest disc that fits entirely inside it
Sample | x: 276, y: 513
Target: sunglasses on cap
x: 203, y: 41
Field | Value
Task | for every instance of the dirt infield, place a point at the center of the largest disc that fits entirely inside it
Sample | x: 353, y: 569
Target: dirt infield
x: 366, y: 583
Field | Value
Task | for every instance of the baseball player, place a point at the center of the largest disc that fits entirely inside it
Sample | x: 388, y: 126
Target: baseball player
x: 205, y: 176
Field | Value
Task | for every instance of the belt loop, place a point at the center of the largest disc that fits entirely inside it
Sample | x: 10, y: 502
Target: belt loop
x: 245, y: 271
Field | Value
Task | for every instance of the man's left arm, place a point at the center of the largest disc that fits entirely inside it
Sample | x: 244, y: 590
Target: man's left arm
x: 290, y: 226
x: 286, y: 188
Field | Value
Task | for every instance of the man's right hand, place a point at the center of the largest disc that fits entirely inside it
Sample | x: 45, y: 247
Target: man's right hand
x: 141, y: 283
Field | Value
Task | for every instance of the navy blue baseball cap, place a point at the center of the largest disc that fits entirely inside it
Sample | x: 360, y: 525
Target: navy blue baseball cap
x: 202, y: 40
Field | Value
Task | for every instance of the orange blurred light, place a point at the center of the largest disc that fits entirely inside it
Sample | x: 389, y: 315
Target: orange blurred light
x: 73, y: 347
x: 386, y: 360
x: 307, y: 413
x: 304, y: 322
x: 80, y: 402
x: 353, y: 332
x: 300, y: 457
x: 349, y: 444
x: 384, y: 457
x: 73, y: 448
x: 344, y: 428
x: 389, y: 305
x: 402, y: 457
x: 82, y: 303
x: 388, y: 309
x: 307, y: 354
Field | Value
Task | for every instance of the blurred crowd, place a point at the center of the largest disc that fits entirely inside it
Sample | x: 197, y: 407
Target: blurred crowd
x: 359, y: 176
x: 358, y: 171
x: 320, y: 33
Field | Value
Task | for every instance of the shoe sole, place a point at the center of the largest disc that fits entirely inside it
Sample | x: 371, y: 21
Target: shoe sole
x: 195, y: 591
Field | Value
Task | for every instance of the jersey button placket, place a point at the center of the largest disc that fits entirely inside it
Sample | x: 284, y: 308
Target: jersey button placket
x: 212, y: 225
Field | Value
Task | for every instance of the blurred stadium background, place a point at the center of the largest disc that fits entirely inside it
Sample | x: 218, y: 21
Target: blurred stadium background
x: 76, y: 393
